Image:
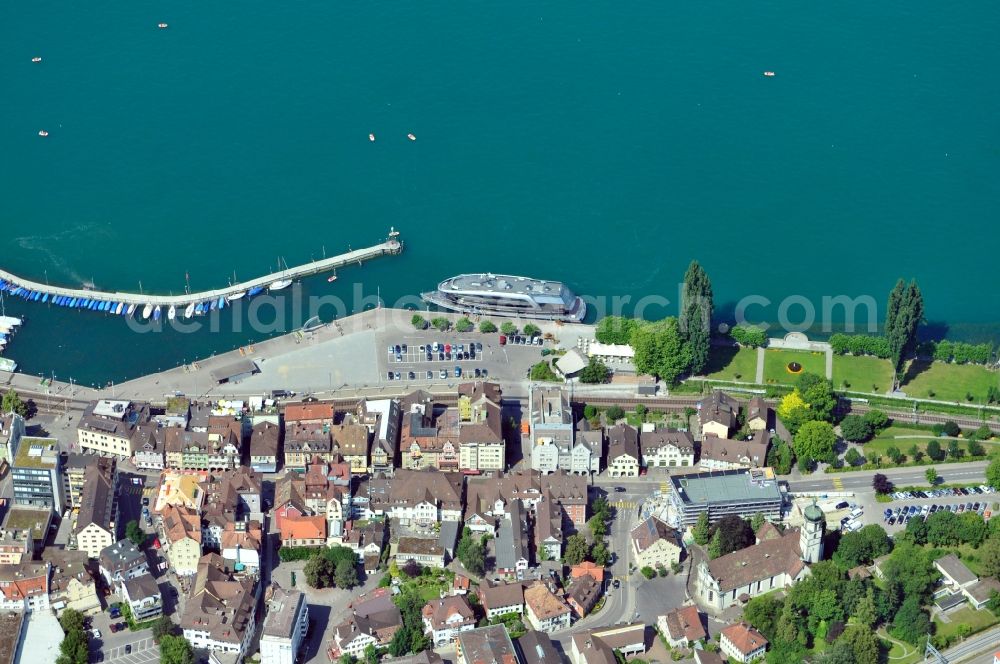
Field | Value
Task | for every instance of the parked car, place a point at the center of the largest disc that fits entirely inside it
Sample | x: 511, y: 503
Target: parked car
x: 430, y: 375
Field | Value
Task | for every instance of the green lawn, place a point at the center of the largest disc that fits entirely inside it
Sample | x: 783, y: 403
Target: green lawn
x: 918, y: 437
x: 861, y: 373
x: 776, y: 363
x: 731, y: 363
x: 977, y: 620
x: 948, y: 382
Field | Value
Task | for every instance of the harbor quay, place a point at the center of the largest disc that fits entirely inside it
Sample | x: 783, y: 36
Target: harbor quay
x: 126, y: 302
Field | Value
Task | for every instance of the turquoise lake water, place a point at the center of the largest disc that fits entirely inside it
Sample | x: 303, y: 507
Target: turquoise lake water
x: 598, y: 143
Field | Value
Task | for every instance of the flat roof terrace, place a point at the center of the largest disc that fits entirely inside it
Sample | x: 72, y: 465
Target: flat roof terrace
x: 727, y: 486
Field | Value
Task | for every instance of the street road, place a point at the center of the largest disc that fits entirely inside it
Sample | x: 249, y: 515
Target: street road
x: 861, y: 480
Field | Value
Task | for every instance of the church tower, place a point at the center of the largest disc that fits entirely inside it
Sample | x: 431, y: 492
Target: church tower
x: 811, y: 534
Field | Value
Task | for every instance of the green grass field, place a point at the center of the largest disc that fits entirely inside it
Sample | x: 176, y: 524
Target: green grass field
x: 776, y: 362
x: 861, y: 373
x: 731, y: 363
x: 948, y: 382
x: 977, y: 620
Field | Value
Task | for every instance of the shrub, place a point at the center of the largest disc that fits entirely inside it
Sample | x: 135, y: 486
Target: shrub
x: 860, y: 344
x: 615, y: 413
x: 463, y: 324
x: 855, y: 429
x: 748, y: 336
x: 487, y: 327
x: 877, y: 419
x: 508, y: 328
x: 532, y: 330
x: 441, y: 323
x: 419, y: 322
x: 949, y: 428
x: 648, y: 572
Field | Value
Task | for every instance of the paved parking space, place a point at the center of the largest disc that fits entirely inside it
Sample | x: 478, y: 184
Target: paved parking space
x: 144, y: 651
x: 874, y: 511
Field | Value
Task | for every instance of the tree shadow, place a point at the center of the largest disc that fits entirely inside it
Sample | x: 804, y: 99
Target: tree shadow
x: 933, y: 331
x: 720, y: 357
x: 916, y: 368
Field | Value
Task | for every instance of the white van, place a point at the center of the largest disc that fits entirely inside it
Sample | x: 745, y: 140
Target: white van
x: 856, y: 512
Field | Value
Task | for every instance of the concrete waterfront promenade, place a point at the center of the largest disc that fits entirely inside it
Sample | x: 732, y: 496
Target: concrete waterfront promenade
x: 391, y: 246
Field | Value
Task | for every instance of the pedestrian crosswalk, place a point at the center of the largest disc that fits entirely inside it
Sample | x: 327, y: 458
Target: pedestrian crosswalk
x: 664, y: 487
x: 838, y: 484
x: 625, y: 504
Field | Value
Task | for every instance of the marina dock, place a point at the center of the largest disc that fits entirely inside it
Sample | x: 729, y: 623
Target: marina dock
x: 119, y: 302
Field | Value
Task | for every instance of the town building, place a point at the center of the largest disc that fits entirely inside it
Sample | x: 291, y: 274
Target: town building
x: 366, y: 541
x: 429, y: 436
x: 583, y: 593
x: 14, y: 547
x: 74, y: 475
x: 25, y: 586
x: 741, y: 492
x: 775, y: 561
x: 303, y: 531
x: 485, y: 645
x: 97, y: 519
x: 512, y: 552
x: 682, y: 626
x: 959, y: 583
x: 549, y: 535
x: 758, y: 414
x: 425, y: 496
x: 220, y: 610
x: 265, y: 445
x: 36, y: 474
x: 286, y: 623
x: 323, y: 490
x: 489, y: 499
x: 742, y: 642
x: 201, y: 450
x: 553, y: 441
x: 180, y: 489
x: 623, y: 451
x: 12, y: 430
x: 501, y: 599
x: 181, y: 538
x: 717, y: 415
x: 143, y: 597
x: 424, y: 552
x: 544, y: 611
x: 535, y: 647
x: 108, y: 427
x: 667, y: 448
x: 588, y: 448
x: 26, y: 528
x: 72, y: 584
x: 375, y: 621
x: 121, y: 561
x: 382, y: 417
x: 480, y: 435
x: 149, y: 447
x: 725, y: 454
x: 240, y: 545
x: 351, y: 442
x: 599, y: 646
x: 233, y: 495
x: 307, y: 433
x: 655, y: 544
x: 444, y: 618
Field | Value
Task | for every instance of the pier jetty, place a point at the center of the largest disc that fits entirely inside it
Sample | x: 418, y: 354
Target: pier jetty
x: 126, y: 303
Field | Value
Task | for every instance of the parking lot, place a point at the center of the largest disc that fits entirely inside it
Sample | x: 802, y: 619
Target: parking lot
x: 139, y: 651
x: 414, y: 359
x: 921, y: 504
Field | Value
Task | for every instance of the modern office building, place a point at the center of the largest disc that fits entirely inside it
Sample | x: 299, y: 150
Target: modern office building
x: 37, y: 474
x: 740, y: 492
x: 285, y: 626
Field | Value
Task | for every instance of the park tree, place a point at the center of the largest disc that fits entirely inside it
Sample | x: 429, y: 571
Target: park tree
x: 915, y: 453
x: 916, y: 531
x: 853, y: 458
x: 970, y: 528
x: 70, y: 620
x: 702, y: 532
x: 993, y: 473
x: 894, y: 453
x: 600, y: 554
x: 865, y: 645
x: 934, y: 451
x: 441, y: 323
x: 615, y: 413
x: 911, y: 622
x: 817, y: 392
x: 163, y: 626
x: 989, y: 554
x: 904, y: 313
x: 463, y: 324
x: 419, y: 322
x: 320, y: 572
x: 531, y: 329
x: 864, y: 610
x: 508, y: 328
x: 953, y: 449
x: 877, y: 419
x: 881, y: 484
x: 615, y: 330
x: 780, y: 456
x: 861, y: 547
x: 175, y: 650
x: 715, y: 545
x: 12, y: 403
x: 931, y: 475
x: 976, y: 448
x: 763, y: 613
x: 487, y: 327
x: 134, y: 534
x: 794, y: 411
x: 734, y: 534
x: 951, y: 429
x: 696, y: 315
x: 595, y: 372
x: 855, y: 429
x: 660, y: 350
x: 346, y: 574
x: 576, y: 550
x: 815, y: 441
x: 371, y: 654
x: 757, y: 520
x: 474, y: 559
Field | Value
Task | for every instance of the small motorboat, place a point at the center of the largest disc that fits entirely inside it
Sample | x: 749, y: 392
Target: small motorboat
x: 131, y: 310
x: 162, y: 26
x: 36, y: 59
x: 769, y: 73
x: 222, y: 302
x: 43, y: 133
x: 280, y: 284
x: 189, y: 311
x: 172, y: 312
x: 118, y: 309
x: 411, y: 137
x: 147, y: 310
x: 332, y: 278
x: 156, y: 313
x: 236, y: 296
x: 371, y: 137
